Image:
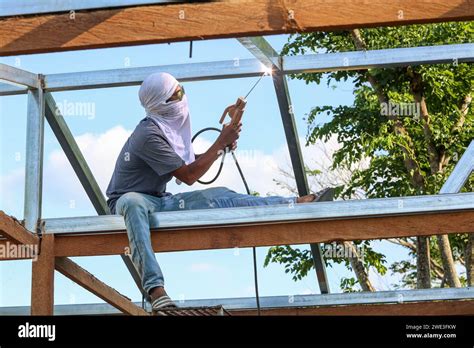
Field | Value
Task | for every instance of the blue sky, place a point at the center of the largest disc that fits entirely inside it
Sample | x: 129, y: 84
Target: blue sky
x: 188, y: 275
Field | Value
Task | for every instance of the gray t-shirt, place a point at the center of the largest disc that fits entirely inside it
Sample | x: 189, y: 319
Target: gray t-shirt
x: 144, y: 164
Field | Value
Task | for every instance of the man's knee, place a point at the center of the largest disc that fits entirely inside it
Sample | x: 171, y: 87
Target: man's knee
x: 130, y: 201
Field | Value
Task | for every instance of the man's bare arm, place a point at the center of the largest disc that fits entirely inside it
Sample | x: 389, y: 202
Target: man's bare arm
x: 190, y: 173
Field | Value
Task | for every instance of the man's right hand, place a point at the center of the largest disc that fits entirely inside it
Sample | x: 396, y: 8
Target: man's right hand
x: 229, y: 134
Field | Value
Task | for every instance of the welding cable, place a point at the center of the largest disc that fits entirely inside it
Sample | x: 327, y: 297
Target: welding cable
x: 223, y: 155
x: 257, y: 297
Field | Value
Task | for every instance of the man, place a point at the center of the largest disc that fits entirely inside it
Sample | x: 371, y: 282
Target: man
x: 159, y: 149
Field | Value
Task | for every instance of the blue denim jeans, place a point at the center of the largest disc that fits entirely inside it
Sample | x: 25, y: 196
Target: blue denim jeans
x: 136, y: 207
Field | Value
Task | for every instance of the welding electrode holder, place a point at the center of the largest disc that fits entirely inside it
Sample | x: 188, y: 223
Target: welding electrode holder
x: 235, y: 112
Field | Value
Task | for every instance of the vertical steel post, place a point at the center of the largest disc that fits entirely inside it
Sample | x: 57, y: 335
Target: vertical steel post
x: 264, y: 52
x: 287, y: 116
x: 34, y: 158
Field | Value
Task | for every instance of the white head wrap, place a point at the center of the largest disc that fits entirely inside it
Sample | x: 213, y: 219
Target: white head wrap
x: 173, y: 117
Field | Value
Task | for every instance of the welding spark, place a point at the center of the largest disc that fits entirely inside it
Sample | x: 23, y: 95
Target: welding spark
x: 267, y: 70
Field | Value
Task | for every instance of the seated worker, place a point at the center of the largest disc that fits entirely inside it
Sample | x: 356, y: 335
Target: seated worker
x: 159, y: 149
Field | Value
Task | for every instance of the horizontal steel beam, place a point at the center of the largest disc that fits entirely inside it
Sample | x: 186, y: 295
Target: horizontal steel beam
x: 337, y: 210
x: 19, y: 8
x: 134, y: 76
x: 253, y: 67
x: 267, y: 302
x: 8, y: 89
x: 386, y: 58
x: 18, y: 76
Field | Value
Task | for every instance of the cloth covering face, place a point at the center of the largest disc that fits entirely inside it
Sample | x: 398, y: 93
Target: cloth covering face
x: 172, y: 117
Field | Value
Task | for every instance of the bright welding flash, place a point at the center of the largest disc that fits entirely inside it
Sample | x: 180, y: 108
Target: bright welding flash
x: 267, y: 70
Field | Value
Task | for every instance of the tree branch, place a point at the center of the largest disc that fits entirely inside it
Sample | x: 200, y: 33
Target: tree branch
x: 416, y: 87
x: 410, y: 163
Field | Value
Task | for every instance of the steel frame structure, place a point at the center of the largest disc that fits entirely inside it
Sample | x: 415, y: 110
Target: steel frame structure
x: 41, y: 105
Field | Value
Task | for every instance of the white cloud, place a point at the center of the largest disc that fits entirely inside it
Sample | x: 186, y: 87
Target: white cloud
x: 100, y: 152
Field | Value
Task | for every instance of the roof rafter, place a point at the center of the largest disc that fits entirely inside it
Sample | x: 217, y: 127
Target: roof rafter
x: 209, y: 20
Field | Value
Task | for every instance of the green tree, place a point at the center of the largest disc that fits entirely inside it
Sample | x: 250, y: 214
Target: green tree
x: 413, y: 123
